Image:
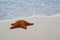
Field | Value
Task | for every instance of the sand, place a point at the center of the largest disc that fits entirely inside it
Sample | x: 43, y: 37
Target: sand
x: 43, y: 29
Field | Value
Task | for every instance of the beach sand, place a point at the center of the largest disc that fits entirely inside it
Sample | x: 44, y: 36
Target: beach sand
x: 43, y: 29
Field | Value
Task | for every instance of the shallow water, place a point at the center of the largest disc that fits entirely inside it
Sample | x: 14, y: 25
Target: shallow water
x: 12, y: 9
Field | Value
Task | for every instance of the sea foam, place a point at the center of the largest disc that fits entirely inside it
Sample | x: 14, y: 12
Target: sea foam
x: 18, y: 9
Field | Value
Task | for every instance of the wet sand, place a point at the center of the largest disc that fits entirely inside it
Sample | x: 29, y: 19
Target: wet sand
x: 43, y: 29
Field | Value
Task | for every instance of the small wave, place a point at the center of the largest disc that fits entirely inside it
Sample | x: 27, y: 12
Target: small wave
x: 13, y: 9
x: 33, y: 16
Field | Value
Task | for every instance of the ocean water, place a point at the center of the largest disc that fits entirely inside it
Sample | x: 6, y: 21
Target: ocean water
x: 12, y: 9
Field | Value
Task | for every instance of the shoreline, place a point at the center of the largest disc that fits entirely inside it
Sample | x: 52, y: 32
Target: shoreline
x: 6, y: 20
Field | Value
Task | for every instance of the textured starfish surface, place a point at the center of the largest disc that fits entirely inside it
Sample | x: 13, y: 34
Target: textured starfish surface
x: 20, y: 24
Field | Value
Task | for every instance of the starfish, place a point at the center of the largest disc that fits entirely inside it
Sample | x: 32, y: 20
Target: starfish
x: 20, y: 24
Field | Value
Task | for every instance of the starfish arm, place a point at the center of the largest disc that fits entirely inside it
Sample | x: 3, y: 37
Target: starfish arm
x: 24, y: 26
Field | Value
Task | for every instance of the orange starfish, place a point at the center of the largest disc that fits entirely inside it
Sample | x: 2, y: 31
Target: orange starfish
x: 20, y: 24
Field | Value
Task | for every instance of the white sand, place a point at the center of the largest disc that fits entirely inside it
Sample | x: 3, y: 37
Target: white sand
x: 43, y: 29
